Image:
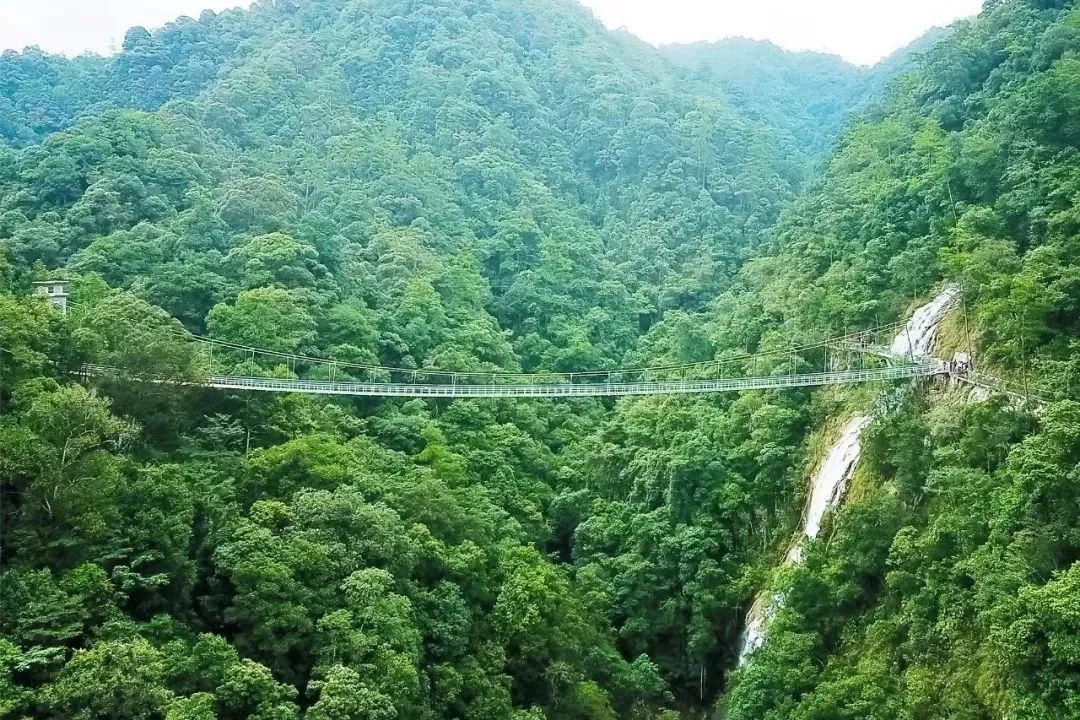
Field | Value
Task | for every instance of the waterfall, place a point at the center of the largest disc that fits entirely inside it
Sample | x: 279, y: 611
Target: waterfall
x: 919, y: 335
x: 762, y: 611
x: 830, y: 481
x: 826, y: 490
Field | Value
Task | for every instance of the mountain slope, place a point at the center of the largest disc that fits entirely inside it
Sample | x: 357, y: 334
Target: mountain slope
x: 42, y: 93
x: 493, y: 139
x: 808, y: 97
x: 946, y: 586
x: 470, y: 186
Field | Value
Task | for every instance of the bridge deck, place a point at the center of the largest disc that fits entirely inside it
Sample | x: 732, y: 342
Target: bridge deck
x: 599, y: 389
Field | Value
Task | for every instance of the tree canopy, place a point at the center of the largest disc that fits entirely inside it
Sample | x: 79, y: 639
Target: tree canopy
x: 504, y: 186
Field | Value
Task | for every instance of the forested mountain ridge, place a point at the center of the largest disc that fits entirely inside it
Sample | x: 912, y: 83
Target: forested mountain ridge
x: 42, y: 93
x: 809, y: 97
x: 486, y: 106
x: 496, y: 184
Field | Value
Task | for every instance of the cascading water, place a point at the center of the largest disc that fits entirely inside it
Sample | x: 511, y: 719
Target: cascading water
x: 760, y: 613
x: 918, y: 337
x: 830, y: 481
x: 829, y: 484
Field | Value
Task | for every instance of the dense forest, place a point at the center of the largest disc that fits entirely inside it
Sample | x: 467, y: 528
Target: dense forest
x: 503, y: 185
x: 806, y: 98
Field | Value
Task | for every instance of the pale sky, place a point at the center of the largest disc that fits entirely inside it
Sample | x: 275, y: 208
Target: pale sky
x: 75, y: 26
x: 862, y: 31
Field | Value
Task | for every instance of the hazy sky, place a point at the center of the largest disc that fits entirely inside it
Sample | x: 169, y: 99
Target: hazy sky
x: 75, y: 26
x: 863, y: 31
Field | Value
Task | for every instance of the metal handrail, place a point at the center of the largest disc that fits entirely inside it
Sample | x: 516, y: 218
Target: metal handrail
x: 659, y: 387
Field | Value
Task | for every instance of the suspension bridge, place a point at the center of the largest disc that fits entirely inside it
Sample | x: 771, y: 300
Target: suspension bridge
x: 552, y: 390
x: 845, y: 360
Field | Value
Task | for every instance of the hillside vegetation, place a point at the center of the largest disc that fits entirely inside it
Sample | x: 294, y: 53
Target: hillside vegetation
x: 807, y: 97
x: 503, y: 185
x: 948, y: 586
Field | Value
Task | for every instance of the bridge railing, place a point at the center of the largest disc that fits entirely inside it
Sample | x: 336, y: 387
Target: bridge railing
x: 554, y: 389
x: 609, y: 389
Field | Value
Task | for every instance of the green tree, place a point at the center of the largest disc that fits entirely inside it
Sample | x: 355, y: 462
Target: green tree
x: 270, y: 318
x: 114, y: 678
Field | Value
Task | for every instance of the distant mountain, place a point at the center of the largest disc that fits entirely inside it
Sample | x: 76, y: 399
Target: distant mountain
x: 905, y: 60
x: 807, y: 96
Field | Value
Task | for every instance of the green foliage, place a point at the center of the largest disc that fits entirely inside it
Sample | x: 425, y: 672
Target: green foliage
x: 955, y: 539
x: 267, y: 317
x: 503, y: 186
x: 806, y: 96
x: 114, y: 678
x: 34, y: 342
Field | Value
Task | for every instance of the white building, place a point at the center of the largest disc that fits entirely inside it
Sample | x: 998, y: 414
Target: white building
x: 55, y: 291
